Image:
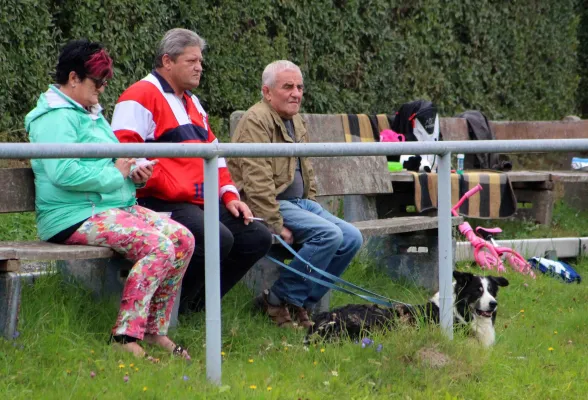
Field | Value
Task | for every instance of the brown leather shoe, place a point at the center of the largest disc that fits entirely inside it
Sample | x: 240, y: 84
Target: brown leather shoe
x: 300, y: 315
x: 278, y: 314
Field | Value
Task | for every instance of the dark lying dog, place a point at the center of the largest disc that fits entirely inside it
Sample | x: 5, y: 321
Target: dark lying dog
x: 475, y: 307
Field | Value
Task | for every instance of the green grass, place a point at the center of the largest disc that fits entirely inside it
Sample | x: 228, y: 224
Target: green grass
x: 540, y: 353
x: 567, y: 222
x: 18, y: 226
x: 63, y: 333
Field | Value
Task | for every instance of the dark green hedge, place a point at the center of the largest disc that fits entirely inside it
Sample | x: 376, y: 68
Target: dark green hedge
x: 27, y: 52
x: 512, y: 60
x: 583, y: 57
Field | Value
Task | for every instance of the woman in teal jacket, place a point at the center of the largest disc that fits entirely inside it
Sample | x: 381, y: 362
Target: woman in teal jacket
x: 91, y: 201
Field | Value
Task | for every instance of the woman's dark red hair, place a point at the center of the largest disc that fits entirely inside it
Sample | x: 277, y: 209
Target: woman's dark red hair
x: 85, y: 58
x: 99, y: 65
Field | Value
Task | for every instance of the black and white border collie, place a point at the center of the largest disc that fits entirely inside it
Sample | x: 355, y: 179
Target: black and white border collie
x: 475, y: 308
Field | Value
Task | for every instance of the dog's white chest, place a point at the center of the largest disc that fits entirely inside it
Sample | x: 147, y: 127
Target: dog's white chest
x: 483, y: 330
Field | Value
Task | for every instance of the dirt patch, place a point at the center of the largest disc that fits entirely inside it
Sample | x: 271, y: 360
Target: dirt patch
x: 432, y: 357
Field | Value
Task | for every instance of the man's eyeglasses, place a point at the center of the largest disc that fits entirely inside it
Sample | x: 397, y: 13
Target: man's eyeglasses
x: 98, y: 82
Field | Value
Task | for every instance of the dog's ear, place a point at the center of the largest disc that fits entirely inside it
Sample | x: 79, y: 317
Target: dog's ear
x: 462, y: 277
x: 499, y: 280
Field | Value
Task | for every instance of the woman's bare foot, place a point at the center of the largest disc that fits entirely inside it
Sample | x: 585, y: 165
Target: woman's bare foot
x: 131, y: 347
x: 166, y: 343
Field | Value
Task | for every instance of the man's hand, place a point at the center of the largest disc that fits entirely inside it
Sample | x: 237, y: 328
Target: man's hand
x: 286, y: 234
x: 238, y: 208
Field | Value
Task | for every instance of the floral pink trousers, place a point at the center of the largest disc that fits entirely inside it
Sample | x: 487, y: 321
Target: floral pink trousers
x: 161, y: 250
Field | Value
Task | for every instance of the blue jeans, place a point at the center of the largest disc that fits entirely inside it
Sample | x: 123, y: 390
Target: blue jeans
x: 327, y: 242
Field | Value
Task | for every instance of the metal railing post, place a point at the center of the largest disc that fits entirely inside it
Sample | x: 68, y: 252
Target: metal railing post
x: 212, y: 271
x: 445, y: 245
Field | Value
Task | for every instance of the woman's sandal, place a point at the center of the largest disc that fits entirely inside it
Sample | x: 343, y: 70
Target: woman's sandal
x: 179, y: 351
x: 126, y: 339
x: 176, y: 349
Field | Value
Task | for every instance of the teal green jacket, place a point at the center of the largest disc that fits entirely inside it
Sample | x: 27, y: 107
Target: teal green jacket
x: 70, y: 190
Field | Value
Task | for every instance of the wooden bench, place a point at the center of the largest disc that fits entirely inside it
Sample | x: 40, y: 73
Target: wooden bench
x: 98, y: 268
x: 534, y: 189
x: 348, y: 187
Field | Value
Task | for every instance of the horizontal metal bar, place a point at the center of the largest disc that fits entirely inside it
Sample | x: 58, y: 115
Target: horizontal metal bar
x: 198, y: 150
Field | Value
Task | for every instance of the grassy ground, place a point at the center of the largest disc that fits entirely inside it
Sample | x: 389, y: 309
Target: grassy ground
x: 567, y: 222
x: 540, y: 353
x: 18, y: 226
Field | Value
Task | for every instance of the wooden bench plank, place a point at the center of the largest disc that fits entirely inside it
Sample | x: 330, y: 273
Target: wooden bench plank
x: 457, y: 129
x: 454, y: 129
x: 370, y: 176
x: 401, y: 176
x: 529, y: 176
x: 50, y: 251
x: 523, y: 130
x: 569, y: 176
x: 392, y: 226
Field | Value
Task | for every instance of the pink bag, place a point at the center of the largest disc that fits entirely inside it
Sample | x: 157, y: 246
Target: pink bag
x: 388, y: 135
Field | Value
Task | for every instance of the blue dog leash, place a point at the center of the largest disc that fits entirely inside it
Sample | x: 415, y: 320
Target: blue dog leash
x: 368, y: 296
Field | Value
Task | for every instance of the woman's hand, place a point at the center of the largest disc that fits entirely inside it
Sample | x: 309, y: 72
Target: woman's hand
x: 124, y: 166
x: 143, y: 172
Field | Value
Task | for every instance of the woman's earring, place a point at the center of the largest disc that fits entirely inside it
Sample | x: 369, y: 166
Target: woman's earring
x: 72, y: 85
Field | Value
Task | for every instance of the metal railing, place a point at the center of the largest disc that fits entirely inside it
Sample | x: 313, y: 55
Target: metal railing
x: 210, y: 154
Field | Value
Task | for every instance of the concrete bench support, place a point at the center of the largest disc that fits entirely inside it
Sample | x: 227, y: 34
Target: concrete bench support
x: 103, y: 277
x: 11, y: 284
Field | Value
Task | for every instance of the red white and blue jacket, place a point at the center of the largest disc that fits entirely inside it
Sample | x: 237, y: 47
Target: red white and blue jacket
x: 149, y: 111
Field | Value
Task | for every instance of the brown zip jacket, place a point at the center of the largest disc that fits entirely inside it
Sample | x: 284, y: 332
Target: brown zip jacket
x: 260, y: 180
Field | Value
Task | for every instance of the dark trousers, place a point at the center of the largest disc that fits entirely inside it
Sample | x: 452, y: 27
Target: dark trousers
x: 240, y: 247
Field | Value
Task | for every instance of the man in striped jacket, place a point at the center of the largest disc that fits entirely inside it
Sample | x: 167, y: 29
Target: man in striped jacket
x: 161, y: 109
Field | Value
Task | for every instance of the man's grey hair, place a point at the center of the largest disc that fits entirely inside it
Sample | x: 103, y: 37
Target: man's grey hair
x: 268, y: 78
x: 174, y: 42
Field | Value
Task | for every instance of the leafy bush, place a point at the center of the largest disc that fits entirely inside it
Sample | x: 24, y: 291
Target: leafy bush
x: 27, y: 48
x: 129, y: 31
x: 512, y: 60
x: 583, y: 57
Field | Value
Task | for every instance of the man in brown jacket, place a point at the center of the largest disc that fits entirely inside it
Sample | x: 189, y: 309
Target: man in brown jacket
x: 281, y: 190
